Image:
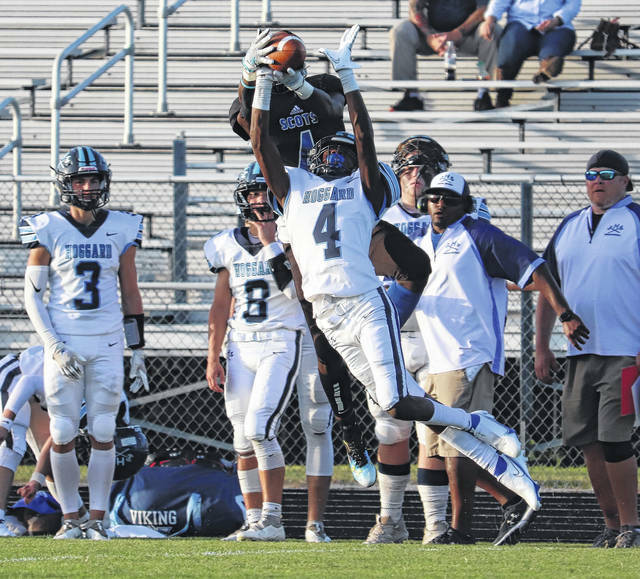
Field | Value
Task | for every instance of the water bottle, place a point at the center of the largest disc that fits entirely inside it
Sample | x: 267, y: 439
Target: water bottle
x: 450, y: 61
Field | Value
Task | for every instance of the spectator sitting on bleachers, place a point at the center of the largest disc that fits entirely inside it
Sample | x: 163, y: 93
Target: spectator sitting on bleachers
x: 543, y: 28
x: 430, y: 26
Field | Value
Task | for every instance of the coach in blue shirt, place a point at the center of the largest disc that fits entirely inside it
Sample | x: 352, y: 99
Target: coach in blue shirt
x: 595, y: 257
x: 541, y: 27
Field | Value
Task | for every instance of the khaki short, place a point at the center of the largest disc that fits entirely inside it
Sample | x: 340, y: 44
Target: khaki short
x: 454, y: 389
x: 591, y: 400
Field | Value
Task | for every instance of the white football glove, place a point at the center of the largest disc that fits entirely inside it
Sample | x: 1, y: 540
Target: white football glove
x: 257, y: 55
x: 341, y: 58
x: 138, y: 372
x: 295, y: 81
x: 69, y: 362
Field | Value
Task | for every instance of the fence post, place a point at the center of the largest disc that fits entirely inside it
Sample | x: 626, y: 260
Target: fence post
x: 527, y: 368
x: 180, y: 197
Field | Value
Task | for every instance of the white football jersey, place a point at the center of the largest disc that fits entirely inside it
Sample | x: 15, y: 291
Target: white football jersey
x: 329, y: 224
x: 12, y: 367
x: 259, y: 306
x: 83, y: 272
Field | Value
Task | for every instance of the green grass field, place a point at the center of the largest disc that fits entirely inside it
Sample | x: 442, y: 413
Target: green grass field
x: 39, y: 557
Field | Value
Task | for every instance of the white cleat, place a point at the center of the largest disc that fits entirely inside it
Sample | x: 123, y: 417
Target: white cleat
x: 487, y: 429
x: 514, y: 474
x: 387, y: 531
x: 234, y: 536
x: 5, y: 531
x: 94, y: 529
x: 70, y: 529
x: 260, y: 532
x: 315, y: 533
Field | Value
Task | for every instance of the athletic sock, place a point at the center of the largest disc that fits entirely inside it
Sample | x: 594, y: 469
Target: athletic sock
x: 99, y: 477
x: 433, y: 488
x: 253, y: 515
x: 392, y: 481
x: 271, y: 512
x: 447, y: 416
x: 66, y: 473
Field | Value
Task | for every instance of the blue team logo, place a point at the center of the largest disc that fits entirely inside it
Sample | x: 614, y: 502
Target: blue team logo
x: 615, y: 230
x: 452, y: 247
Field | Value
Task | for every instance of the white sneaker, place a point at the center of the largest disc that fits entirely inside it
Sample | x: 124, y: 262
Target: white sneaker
x: 94, y: 529
x: 234, y: 536
x: 5, y: 531
x: 487, y: 429
x: 315, y: 533
x: 514, y: 474
x: 261, y: 532
x: 387, y: 531
x: 70, y: 530
x: 433, y: 531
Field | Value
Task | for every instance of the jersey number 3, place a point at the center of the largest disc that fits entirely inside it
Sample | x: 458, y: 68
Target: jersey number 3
x: 325, y: 231
x: 90, y: 285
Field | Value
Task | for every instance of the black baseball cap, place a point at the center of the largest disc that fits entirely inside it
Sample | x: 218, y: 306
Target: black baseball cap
x: 611, y: 160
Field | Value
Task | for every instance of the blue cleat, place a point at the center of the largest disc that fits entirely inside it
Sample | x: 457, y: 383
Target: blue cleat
x: 487, y: 429
x: 361, y: 466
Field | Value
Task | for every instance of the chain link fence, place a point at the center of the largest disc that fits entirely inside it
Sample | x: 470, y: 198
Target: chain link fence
x: 177, y: 290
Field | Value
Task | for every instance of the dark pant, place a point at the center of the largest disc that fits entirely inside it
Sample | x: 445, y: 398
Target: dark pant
x: 517, y: 44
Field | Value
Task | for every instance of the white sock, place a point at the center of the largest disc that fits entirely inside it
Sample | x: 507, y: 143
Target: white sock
x: 392, y: 488
x: 447, y: 416
x: 51, y: 485
x: 66, y: 473
x: 102, y: 463
x: 253, y: 515
x: 434, y: 503
x: 271, y: 510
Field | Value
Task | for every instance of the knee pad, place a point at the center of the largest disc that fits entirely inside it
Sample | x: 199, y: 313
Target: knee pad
x: 241, y: 444
x: 390, y: 430
x: 268, y: 453
x: 617, y: 451
x: 63, y: 429
x: 9, y: 458
x: 316, y: 419
x: 102, y: 427
x: 249, y: 481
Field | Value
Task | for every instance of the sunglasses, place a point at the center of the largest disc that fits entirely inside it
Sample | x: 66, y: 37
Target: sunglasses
x: 447, y: 200
x: 605, y: 175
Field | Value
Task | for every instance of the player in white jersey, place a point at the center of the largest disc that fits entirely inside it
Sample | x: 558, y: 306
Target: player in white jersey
x: 264, y: 353
x: 82, y: 253
x: 329, y: 214
x: 20, y: 424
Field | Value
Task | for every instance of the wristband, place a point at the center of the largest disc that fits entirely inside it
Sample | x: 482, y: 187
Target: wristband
x: 567, y: 316
x: 39, y: 478
x: 305, y: 91
x: 348, y: 80
x: 134, y: 331
x: 6, y: 423
x: 262, y: 95
x: 247, y: 86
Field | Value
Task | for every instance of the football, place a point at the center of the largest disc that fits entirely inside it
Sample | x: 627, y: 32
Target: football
x: 290, y: 51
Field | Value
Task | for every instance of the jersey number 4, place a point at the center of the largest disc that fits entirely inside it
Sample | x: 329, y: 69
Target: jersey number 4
x: 325, y: 231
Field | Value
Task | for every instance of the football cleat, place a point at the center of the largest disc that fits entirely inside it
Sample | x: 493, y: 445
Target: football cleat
x: 234, y: 536
x: 487, y: 429
x: 514, y: 474
x: 262, y: 531
x: 361, y: 466
x: 433, y: 531
x: 94, y: 530
x: 5, y: 531
x: 387, y: 531
x: 628, y: 539
x: 70, y: 529
x: 453, y: 537
x: 606, y: 539
x: 315, y: 533
x: 516, y: 519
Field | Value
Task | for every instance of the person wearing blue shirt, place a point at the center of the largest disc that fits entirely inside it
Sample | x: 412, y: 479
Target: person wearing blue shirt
x: 534, y: 27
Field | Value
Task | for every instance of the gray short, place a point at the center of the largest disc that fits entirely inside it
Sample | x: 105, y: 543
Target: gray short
x: 591, y: 400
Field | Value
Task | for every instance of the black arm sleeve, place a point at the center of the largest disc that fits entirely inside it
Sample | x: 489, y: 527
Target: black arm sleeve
x: 281, y: 270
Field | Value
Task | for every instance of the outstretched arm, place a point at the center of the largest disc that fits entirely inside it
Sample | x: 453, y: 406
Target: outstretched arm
x: 361, y: 121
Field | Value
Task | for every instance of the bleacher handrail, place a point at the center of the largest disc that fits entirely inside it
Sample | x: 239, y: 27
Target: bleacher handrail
x: 14, y: 146
x: 57, y: 101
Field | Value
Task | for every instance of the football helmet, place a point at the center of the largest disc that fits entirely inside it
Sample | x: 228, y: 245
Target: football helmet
x: 251, y: 179
x: 78, y: 162
x: 423, y: 151
x: 131, y: 451
x: 334, y: 156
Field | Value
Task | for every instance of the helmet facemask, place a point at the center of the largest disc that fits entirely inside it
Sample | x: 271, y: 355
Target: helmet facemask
x: 333, y: 156
x: 250, y: 180
x: 83, y: 162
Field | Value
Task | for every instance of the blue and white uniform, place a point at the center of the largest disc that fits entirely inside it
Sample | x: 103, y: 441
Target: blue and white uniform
x: 84, y: 309
x: 470, y: 262
x: 598, y: 271
x: 329, y: 225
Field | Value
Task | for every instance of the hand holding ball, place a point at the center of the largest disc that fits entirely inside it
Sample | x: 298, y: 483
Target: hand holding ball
x: 289, y: 52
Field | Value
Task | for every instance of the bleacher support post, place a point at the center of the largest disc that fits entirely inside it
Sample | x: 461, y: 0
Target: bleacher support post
x: 266, y: 11
x: 527, y: 369
x: 234, y: 27
x: 180, y: 197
